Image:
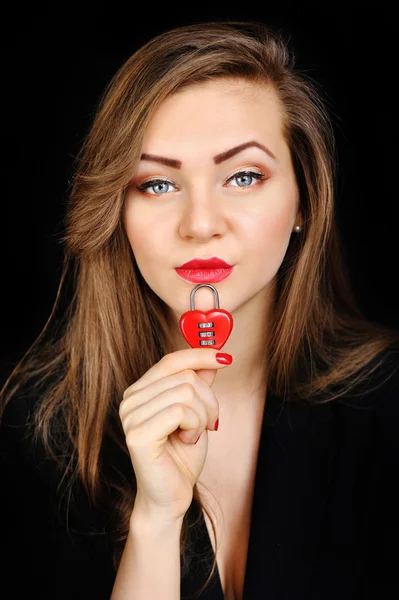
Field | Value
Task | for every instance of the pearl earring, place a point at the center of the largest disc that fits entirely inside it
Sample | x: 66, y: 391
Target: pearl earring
x: 297, y: 228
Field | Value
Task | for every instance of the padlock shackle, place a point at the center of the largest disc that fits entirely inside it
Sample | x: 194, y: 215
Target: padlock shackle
x: 197, y: 288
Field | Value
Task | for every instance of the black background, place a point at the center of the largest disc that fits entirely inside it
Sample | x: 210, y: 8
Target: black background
x: 58, y: 58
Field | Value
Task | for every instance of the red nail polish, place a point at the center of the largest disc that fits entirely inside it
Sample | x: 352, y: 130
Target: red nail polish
x: 224, y: 358
x: 216, y: 425
x: 197, y: 439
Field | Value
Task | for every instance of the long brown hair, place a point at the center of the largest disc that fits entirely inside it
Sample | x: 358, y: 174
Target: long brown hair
x: 83, y: 361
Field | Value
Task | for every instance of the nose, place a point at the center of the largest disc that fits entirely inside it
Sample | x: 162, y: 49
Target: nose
x: 203, y: 216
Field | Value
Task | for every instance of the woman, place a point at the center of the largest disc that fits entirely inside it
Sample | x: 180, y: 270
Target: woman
x: 206, y: 145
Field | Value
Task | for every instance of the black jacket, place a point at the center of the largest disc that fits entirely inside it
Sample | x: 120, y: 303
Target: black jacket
x: 325, y: 516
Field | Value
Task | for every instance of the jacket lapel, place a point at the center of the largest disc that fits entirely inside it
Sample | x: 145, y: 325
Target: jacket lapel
x: 295, y: 463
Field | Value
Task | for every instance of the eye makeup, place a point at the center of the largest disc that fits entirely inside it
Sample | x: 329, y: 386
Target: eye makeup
x: 151, y: 183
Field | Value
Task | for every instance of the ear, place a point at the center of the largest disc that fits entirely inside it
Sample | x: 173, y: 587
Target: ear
x: 298, y: 220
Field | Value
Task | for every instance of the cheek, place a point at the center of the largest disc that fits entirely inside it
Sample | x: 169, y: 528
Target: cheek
x: 272, y: 225
x: 268, y: 231
x: 277, y: 224
x: 141, y: 230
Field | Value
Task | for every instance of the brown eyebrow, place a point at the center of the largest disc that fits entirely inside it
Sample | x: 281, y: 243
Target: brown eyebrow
x: 169, y: 162
x: 219, y: 158
x: 229, y: 153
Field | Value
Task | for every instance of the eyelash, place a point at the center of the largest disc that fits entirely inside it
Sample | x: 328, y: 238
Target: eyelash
x: 152, y: 182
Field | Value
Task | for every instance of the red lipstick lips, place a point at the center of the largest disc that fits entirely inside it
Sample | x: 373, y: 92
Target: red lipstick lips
x: 209, y: 270
x: 206, y: 263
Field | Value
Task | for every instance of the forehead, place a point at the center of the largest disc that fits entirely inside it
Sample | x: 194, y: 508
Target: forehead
x: 215, y: 107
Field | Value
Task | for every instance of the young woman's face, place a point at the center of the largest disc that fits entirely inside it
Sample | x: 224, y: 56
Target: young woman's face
x: 202, y: 204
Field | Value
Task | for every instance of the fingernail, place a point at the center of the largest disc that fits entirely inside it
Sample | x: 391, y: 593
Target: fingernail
x: 216, y: 426
x: 224, y: 358
x: 197, y: 439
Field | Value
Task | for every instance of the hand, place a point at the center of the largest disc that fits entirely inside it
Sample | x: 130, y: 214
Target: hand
x: 163, y: 413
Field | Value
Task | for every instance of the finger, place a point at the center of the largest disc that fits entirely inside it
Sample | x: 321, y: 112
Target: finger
x: 147, y: 395
x: 155, y: 431
x: 181, y: 394
x: 207, y: 375
x: 174, y: 362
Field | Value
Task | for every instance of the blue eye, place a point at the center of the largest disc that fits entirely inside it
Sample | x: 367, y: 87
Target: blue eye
x: 153, y: 183
x: 243, y: 178
x: 246, y: 178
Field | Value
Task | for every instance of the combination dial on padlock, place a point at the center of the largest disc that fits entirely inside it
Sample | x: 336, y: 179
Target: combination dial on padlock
x: 211, y: 328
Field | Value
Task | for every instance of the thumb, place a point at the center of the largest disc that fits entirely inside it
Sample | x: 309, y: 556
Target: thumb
x: 207, y: 375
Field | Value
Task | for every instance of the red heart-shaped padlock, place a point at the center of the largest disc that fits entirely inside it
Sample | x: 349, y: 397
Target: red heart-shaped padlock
x: 206, y: 329
x: 219, y: 324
